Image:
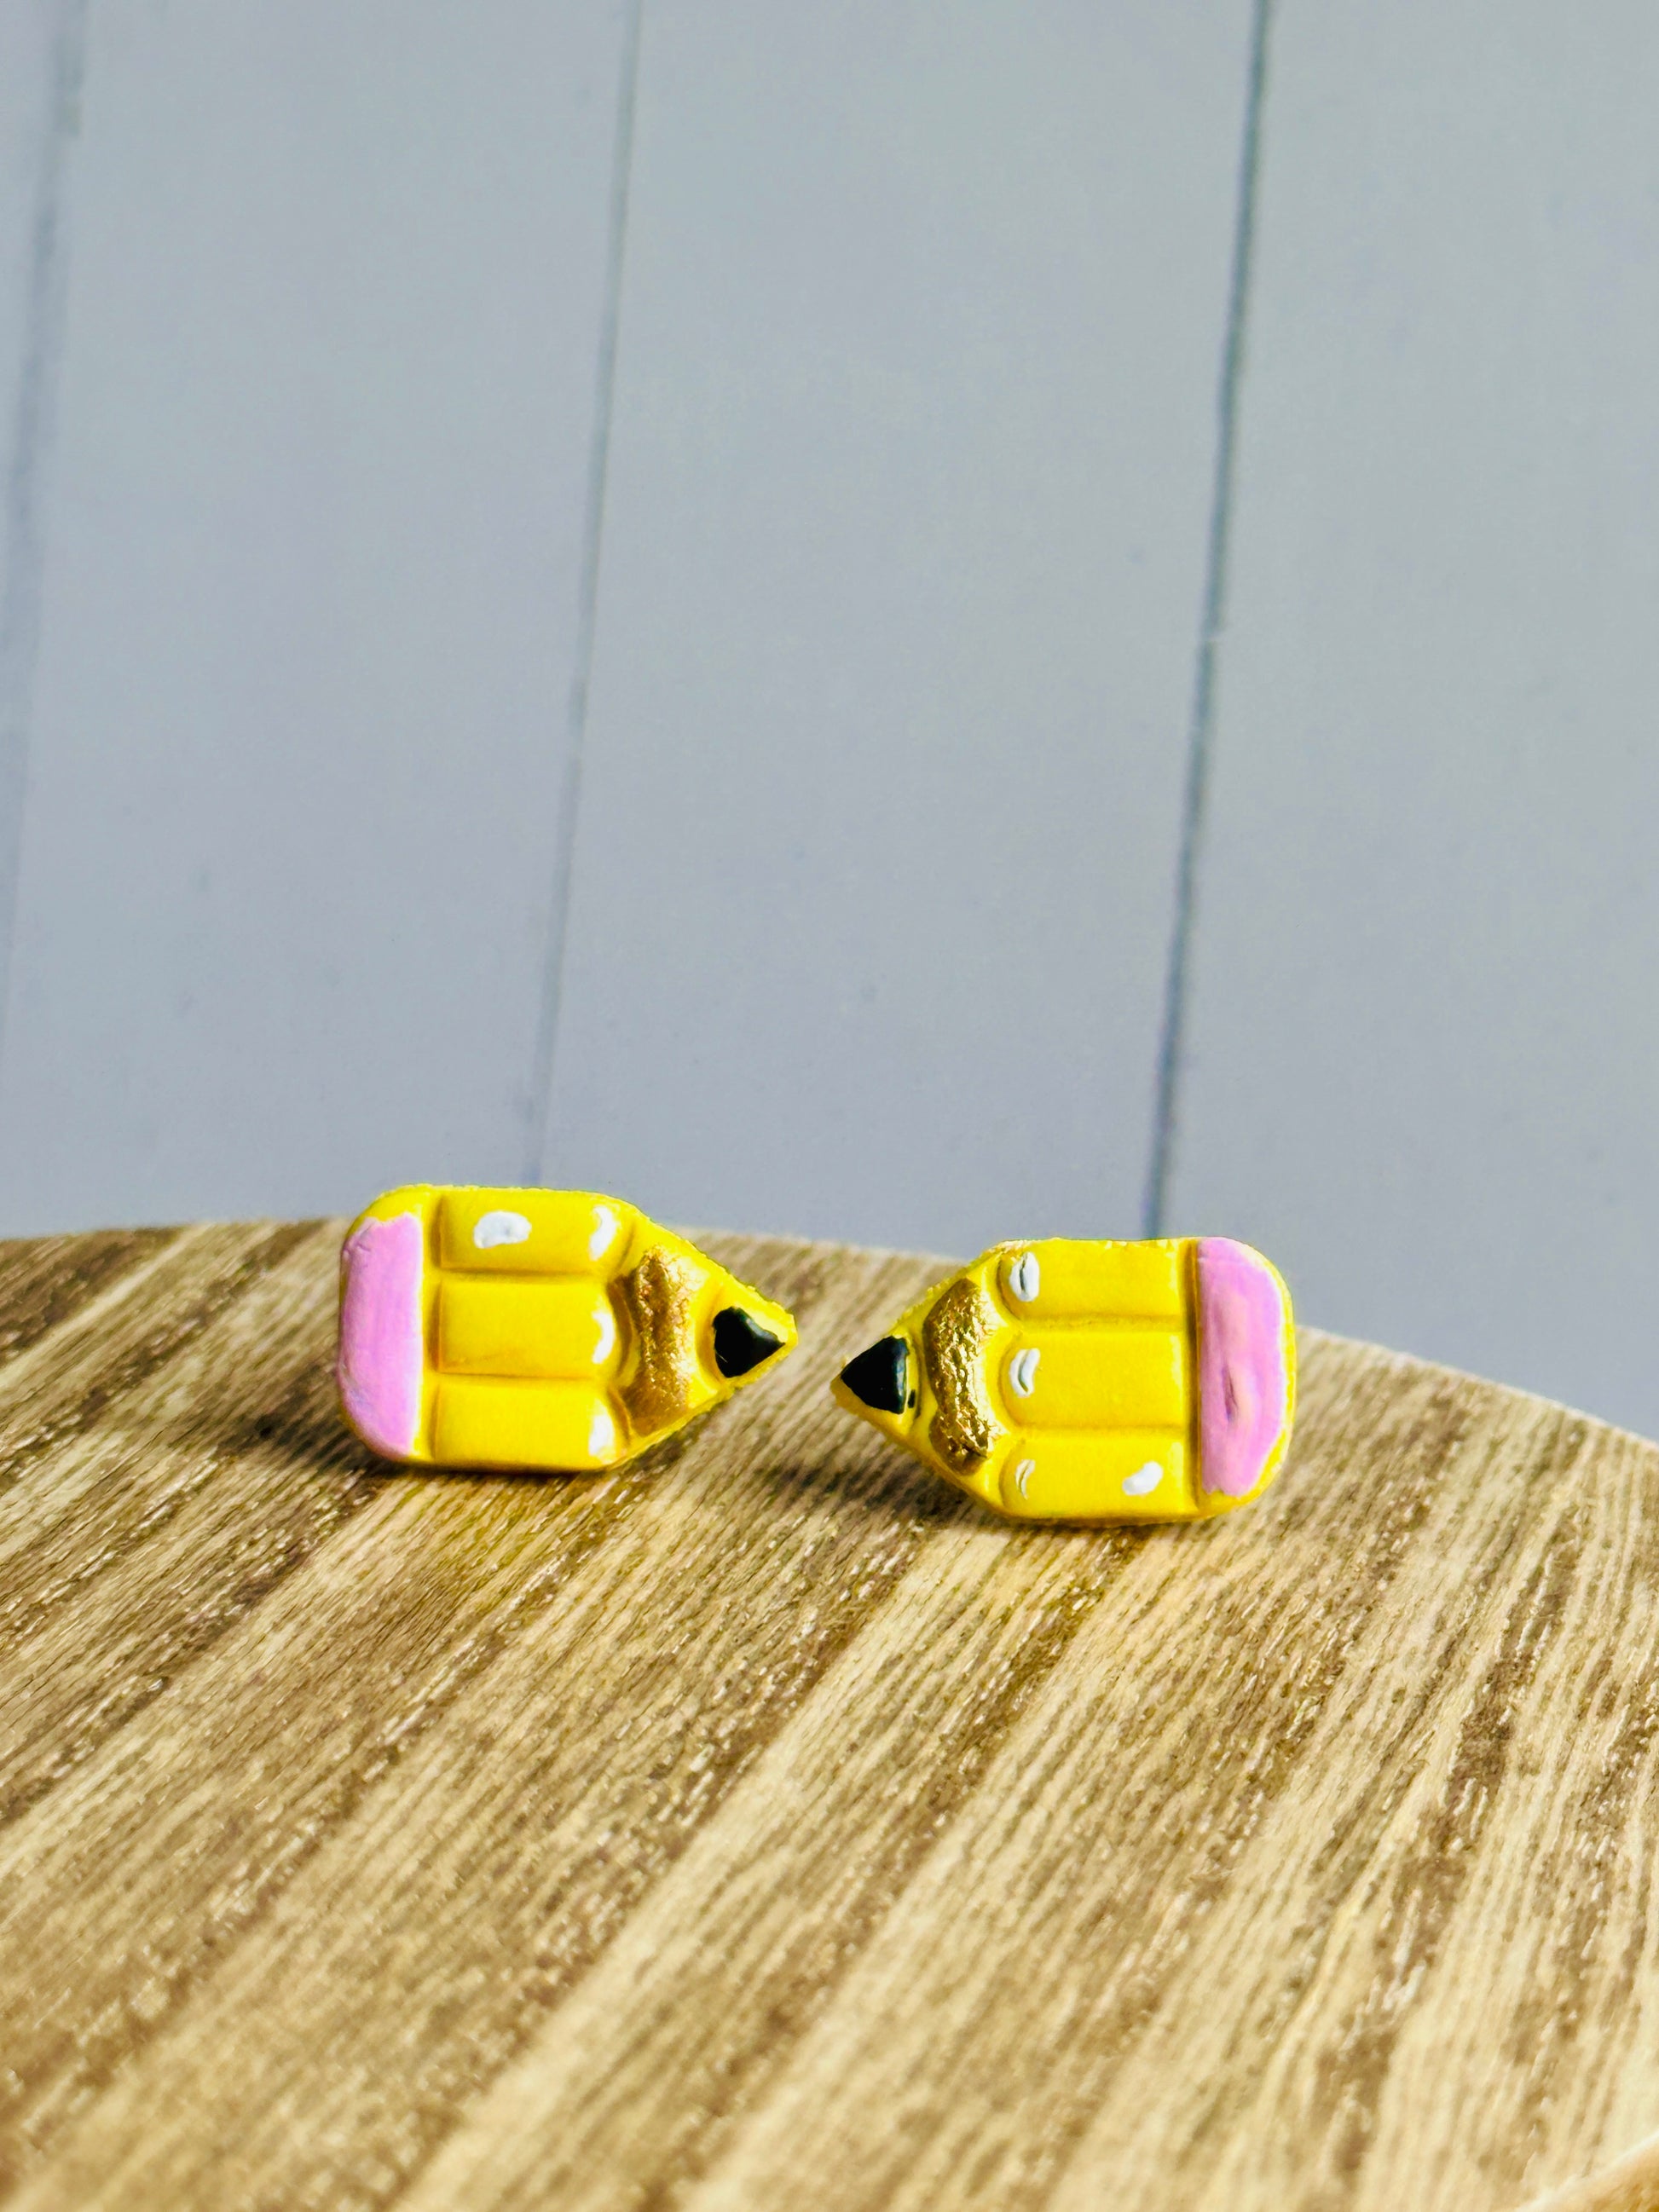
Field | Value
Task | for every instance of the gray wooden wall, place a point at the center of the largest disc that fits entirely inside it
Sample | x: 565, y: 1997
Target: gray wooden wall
x: 919, y: 620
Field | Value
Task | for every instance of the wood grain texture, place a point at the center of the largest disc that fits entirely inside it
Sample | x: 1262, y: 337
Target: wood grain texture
x: 763, y: 1825
x: 1631, y: 2183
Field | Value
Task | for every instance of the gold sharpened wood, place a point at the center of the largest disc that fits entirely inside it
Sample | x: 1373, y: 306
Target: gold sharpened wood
x: 763, y: 1824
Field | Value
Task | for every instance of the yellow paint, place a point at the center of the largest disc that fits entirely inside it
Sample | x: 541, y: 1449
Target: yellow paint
x: 539, y: 1351
x: 1079, y: 1279
x: 1062, y: 1475
x: 1137, y: 1379
x: 572, y: 1232
x: 518, y: 1326
x: 568, y: 1426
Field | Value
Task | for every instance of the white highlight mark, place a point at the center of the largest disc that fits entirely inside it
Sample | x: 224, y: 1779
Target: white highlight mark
x: 1022, y: 1474
x: 1022, y: 1372
x: 607, y: 1333
x: 1144, y: 1480
x: 604, y: 1228
x: 1025, y: 1278
x: 503, y: 1227
x: 601, y: 1435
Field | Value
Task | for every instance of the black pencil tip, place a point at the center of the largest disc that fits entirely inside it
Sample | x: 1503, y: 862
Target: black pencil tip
x: 740, y: 1342
x: 880, y: 1377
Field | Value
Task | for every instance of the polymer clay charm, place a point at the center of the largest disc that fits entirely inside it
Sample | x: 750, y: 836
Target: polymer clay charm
x: 1072, y: 1381
x: 554, y: 1329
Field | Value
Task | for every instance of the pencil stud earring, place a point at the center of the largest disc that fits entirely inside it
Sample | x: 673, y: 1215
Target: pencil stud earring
x: 1074, y: 1381
x: 549, y: 1329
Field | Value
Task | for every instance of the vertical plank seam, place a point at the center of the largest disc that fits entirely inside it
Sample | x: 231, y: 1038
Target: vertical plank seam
x: 1200, y: 726
x: 31, y: 426
x: 538, y: 1106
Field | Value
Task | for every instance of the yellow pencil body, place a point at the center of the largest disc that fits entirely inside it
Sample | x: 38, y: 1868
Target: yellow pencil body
x: 1075, y: 1380
x: 554, y: 1329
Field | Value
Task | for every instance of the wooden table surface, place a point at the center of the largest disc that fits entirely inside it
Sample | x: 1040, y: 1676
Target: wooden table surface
x: 763, y: 1827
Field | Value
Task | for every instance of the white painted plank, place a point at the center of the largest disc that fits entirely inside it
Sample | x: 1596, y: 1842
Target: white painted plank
x: 1424, y: 1064
x: 921, y: 322
x: 314, y: 544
